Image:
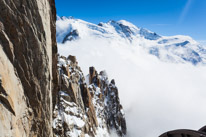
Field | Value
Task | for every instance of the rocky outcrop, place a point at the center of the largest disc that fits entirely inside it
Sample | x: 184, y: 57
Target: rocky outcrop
x: 27, y: 67
x: 74, y: 114
x: 185, y: 133
x: 71, y: 36
x: 86, y: 106
x: 113, y: 110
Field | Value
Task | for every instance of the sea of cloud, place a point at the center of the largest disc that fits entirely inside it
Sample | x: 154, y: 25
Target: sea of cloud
x: 157, y: 96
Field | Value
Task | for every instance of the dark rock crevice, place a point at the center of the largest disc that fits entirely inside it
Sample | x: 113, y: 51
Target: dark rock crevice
x: 6, y: 100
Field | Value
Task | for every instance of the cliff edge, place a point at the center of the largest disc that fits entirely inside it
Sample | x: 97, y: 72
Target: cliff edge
x: 28, y: 64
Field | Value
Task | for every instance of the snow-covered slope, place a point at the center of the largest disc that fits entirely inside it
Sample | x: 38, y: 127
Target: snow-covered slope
x: 155, y: 89
x: 173, y: 49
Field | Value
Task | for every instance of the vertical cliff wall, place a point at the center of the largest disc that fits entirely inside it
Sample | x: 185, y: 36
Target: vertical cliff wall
x: 28, y: 59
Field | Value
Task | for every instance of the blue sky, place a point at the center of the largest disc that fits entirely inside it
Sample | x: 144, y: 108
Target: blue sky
x: 165, y: 17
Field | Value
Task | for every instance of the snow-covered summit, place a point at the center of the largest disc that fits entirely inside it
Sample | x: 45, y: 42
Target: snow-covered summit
x: 178, y: 49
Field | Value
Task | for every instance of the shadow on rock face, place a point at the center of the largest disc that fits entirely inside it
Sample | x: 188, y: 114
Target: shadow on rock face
x: 6, y: 100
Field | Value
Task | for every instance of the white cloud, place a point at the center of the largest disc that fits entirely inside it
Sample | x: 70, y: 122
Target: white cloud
x: 185, y: 11
x: 156, y: 96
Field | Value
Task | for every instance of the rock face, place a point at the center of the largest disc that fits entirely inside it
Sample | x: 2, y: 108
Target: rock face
x: 86, y: 107
x: 185, y: 133
x: 28, y: 58
x: 74, y: 113
x: 108, y: 93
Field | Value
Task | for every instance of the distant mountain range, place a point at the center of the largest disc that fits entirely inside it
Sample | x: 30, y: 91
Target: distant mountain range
x: 177, y: 49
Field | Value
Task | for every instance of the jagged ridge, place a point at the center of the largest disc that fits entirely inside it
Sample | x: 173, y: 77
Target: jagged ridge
x: 86, y: 107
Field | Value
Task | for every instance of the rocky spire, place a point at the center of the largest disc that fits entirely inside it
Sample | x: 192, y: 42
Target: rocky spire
x: 86, y: 109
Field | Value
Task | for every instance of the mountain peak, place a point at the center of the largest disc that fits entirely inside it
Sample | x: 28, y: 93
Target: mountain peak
x: 64, y: 17
x: 149, y: 35
x: 177, y: 48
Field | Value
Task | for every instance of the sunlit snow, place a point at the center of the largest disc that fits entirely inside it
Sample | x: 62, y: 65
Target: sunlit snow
x: 159, y: 93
